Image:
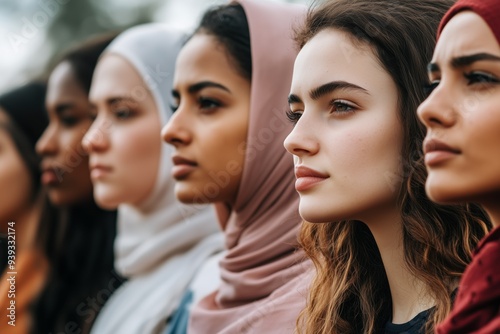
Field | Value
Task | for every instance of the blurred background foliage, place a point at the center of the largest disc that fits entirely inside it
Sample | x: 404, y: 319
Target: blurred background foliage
x: 33, y: 32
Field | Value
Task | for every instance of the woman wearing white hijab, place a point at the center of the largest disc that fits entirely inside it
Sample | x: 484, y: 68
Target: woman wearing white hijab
x: 160, y: 243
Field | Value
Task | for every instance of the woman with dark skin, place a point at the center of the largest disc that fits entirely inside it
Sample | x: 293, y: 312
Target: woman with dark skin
x: 78, y: 240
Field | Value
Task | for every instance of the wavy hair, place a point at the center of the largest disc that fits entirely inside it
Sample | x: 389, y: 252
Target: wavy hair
x: 350, y: 291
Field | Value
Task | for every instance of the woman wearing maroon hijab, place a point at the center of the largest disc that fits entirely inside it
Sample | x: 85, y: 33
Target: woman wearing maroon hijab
x: 462, y: 148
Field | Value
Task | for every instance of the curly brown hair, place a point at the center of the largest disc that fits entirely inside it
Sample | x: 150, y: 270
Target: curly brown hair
x: 350, y: 292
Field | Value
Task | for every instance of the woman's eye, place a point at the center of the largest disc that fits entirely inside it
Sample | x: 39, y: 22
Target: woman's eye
x: 176, y: 102
x: 341, y: 107
x: 69, y: 121
x: 480, y: 78
x: 293, y: 116
x: 123, y: 113
x: 174, y: 108
x: 428, y: 89
x: 208, y: 104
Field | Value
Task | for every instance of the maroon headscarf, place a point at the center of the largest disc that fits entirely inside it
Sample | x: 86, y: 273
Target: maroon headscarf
x: 489, y: 10
x: 477, y: 306
x: 262, y: 272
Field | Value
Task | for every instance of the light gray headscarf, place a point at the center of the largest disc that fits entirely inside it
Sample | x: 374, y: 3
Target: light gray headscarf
x: 161, y: 244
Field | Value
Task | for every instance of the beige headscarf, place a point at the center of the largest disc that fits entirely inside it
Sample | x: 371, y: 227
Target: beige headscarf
x: 161, y: 243
x: 263, y: 273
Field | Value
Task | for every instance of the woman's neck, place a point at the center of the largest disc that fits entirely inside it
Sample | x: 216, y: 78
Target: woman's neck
x: 409, y: 295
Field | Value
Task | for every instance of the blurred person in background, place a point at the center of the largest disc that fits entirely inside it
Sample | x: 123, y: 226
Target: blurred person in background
x: 161, y: 243
x: 22, y: 121
x: 78, y: 240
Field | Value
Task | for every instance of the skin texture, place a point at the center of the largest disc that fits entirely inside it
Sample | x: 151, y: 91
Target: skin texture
x: 210, y: 124
x: 351, y: 135
x: 15, y: 180
x: 463, y: 112
x: 64, y: 162
x: 124, y: 141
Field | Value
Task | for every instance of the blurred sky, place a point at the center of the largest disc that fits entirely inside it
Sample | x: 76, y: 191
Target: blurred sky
x: 31, y: 31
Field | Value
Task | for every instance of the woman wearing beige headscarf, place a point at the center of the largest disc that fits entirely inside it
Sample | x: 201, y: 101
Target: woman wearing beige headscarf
x: 160, y: 243
x: 231, y: 85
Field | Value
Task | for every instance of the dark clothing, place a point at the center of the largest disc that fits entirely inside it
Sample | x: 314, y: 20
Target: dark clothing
x: 414, y: 326
x: 477, y: 307
x: 78, y: 243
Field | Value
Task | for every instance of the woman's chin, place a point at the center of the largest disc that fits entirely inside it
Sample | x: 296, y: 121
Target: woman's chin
x: 190, y: 195
x: 106, y: 200
x: 443, y: 194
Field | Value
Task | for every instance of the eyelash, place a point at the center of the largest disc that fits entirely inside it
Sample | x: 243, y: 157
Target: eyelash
x: 205, y: 104
x: 294, y: 116
x: 208, y: 104
x: 69, y: 121
x: 480, y: 77
x: 428, y: 89
x: 123, y: 113
x: 473, y: 78
x: 342, y: 103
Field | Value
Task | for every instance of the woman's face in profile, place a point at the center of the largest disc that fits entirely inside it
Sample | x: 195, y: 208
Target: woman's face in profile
x: 124, y: 142
x: 65, y: 170
x: 347, y: 139
x: 462, y: 114
x: 210, y: 125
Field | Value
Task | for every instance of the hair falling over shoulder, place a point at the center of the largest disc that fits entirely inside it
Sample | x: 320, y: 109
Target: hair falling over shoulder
x: 350, y: 292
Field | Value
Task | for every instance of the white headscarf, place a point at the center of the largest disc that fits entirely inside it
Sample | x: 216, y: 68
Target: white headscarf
x: 161, y: 244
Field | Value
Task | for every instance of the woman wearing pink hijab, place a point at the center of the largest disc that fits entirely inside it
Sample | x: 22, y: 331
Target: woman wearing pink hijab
x: 231, y: 84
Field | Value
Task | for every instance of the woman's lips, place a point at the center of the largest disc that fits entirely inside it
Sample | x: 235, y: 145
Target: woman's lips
x: 437, y: 152
x: 98, y: 171
x: 49, y: 177
x: 182, y: 167
x: 308, y: 178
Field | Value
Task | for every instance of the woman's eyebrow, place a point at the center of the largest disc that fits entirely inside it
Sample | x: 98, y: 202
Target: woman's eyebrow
x: 467, y: 60
x: 204, y: 84
x: 329, y: 87
x: 463, y: 61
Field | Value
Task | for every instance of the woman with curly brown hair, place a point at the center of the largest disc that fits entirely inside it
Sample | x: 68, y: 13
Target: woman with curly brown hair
x: 388, y: 259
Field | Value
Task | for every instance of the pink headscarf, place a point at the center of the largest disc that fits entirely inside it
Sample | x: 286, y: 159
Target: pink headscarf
x: 264, y: 276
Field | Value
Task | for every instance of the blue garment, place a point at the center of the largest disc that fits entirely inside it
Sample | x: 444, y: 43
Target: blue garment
x: 179, y: 321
